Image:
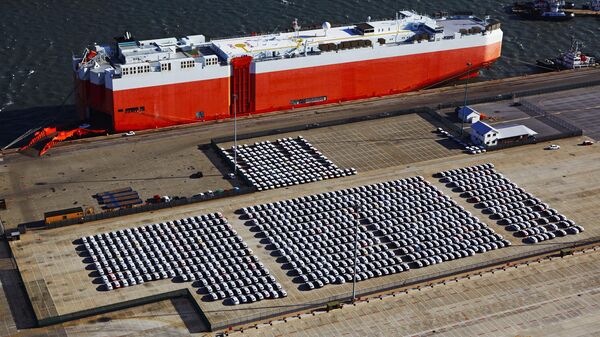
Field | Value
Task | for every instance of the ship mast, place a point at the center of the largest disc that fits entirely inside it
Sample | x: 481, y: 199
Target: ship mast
x: 296, y: 27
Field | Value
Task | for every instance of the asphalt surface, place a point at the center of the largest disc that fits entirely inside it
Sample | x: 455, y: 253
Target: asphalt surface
x: 311, y: 115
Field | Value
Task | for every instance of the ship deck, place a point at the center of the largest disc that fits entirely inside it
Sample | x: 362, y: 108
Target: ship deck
x: 255, y: 45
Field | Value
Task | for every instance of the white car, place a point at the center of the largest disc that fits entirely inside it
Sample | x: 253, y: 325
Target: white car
x: 553, y: 147
x: 129, y: 134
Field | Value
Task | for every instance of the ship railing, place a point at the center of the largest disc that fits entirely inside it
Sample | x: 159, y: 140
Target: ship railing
x: 270, y: 58
x: 493, y: 25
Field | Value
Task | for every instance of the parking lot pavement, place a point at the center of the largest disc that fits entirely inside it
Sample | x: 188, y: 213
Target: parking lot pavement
x: 375, y: 144
x: 580, y: 107
x: 57, y: 281
x: 556, y: 297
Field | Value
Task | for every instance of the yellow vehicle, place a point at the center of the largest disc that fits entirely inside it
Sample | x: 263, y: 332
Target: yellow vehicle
x: 64, y: 214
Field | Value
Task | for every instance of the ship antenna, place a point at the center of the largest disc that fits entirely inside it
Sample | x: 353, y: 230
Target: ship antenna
x: 326, y: 26
x: 296, y: 26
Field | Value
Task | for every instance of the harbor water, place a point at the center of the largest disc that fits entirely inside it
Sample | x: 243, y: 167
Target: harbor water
x: 39, y: 36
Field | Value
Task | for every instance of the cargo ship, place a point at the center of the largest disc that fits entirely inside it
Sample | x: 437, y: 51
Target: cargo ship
x: 143, y: 84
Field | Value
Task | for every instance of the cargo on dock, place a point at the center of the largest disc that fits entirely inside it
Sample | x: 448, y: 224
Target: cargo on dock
x: 123, y: 203
x: 64, y: 214
x: 116, y: 191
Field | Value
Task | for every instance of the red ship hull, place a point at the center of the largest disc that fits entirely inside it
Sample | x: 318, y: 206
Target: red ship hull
x: 198, y: 101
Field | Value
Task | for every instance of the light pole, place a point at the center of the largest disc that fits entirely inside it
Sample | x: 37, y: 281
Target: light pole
x: 462, y: 120
x: 235, y: 149
x: 355, y: 256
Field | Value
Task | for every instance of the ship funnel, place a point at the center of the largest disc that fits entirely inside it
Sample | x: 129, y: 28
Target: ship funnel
x: 326, y: 26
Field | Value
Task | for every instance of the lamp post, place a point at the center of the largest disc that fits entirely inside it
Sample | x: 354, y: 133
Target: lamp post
x: 358, y: 209
x: 355, y: 263
x: 462, y: 120
x: 235, y: 134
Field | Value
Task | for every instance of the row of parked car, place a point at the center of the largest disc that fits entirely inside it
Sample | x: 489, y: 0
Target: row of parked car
x: 202, y: 249
x: 511, y: 206
x: 393, y: 226
x: 284, y: 162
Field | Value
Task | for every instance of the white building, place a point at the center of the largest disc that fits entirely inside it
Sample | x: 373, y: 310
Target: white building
x: 488, y: 136
x: 484, y: 134
x: 468, y: 114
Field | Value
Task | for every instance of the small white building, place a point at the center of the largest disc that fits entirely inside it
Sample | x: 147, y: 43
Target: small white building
x: 468, y: 114
x: 484, y: 134
x: 487, y: 135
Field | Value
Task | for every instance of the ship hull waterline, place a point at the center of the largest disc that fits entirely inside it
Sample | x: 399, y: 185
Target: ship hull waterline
x: 198, y: 101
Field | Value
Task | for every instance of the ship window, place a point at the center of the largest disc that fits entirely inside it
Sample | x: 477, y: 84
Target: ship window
x: 133, y: 109
x: 187, y: 64
x: 142, y: 108
x: 120, y: 110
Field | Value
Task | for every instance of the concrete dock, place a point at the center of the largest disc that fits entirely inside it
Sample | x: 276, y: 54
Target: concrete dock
x: 551, y: 298
x: 161, y: 162
x: 58, y: 284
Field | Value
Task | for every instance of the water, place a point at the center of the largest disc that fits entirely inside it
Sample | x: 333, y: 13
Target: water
x: 38, y: 36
